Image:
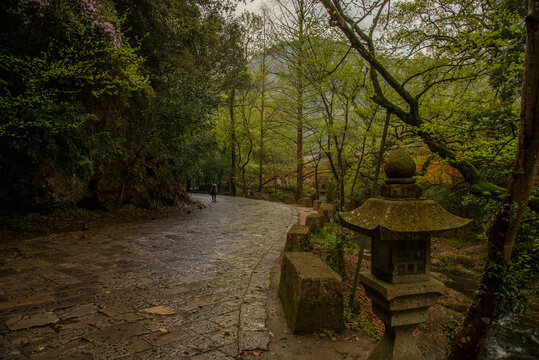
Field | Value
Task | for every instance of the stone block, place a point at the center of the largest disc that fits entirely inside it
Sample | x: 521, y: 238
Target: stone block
x: 306, y: 202
x: 290, y: 199
x: 257, y: 195
x: 296, y: 238
x: 311, y: 293
x: 328, y: 210
x: 316, y: 204
x: 315, y: 221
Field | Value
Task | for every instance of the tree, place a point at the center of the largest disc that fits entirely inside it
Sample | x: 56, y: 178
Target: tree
x: 403, y: 95
x: 293, y: 24
x: 503, y: 231
x: 337, y: 93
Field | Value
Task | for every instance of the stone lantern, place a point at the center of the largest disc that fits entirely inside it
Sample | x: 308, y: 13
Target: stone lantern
x: 401, y: 224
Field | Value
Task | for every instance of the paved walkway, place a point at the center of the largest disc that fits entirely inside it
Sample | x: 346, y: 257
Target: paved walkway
x: 191, y: 287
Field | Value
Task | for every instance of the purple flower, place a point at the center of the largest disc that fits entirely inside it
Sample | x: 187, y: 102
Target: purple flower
x: 90, y: 9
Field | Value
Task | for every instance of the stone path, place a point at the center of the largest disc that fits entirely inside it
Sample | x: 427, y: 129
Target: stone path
x: 192, y: 287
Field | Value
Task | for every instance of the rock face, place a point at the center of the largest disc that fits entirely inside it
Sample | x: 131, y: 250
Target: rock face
x: 311, y: 293
x: 48, y: 186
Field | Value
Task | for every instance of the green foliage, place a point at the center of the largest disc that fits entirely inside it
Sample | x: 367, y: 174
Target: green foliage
x: 519, y: 279
x: 329, y: 245
x: 131, y: 108
x: 328, y: 334
x: 48, y: 87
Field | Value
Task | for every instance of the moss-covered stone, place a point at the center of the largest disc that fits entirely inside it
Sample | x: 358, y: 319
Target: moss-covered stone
x: 399, y: 165
x: 296, y: 238
x: 311, y: 293
x: 315, y: 221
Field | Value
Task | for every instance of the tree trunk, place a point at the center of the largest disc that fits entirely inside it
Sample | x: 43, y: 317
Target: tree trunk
x: 502, y: 232
x: 262, y: 108
x: 122, y: 191
x: 342, y: 172
x: 299, y: 150
x: 360, y: 160
x: 232, y: 184
x: 380, y: 155
x: 299, y: 127
x: 316, y: 185
x: 261, y: 160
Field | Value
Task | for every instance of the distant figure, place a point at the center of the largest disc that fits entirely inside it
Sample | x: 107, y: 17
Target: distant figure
x: 213, y: 192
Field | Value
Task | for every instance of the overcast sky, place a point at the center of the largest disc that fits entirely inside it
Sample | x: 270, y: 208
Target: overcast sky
x: 253, y: 6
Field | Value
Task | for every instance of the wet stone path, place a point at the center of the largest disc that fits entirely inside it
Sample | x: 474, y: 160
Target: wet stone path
x: 191, y: 287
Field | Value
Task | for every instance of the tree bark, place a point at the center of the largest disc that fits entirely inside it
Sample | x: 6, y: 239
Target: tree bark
x: 502, y: 232
x: 262, y: 108
x: 299, y: 124
x: 380, y: 155
x: 232, y: 184
x: 360, y: 160
x: 261, y: 159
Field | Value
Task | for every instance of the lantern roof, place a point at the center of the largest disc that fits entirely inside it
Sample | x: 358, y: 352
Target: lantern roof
x: 400, y: 213
x: 398, y: 219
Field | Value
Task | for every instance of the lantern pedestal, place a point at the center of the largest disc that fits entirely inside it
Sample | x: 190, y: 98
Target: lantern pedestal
x: 401, y: 307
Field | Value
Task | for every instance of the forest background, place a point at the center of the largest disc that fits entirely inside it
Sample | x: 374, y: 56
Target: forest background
x: 110, y: 103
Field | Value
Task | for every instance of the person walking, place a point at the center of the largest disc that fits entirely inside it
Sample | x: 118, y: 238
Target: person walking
x: 213, y: 192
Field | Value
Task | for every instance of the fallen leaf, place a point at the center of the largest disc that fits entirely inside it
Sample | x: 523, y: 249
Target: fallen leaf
x: 40, y: 348
x: 163, y: 330
x: 271, y: 334
x: 240, y: 351
x: 257, y: 353
x: 159, y: 310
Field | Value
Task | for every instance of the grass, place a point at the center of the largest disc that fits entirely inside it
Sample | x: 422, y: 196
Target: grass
x: 328, y: 334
